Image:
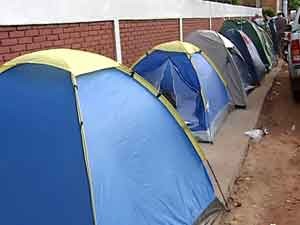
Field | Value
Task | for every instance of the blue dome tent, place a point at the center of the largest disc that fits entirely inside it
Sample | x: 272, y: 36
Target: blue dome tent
x: 187, y: 77
x: 240, y: 63
x: 84, y: 141
x: 248, y: 80
x: 246, y: 47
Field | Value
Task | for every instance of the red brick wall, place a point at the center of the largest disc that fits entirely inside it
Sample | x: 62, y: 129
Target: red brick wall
x: 217, y: 23
x: 141, y: 35
x: 190, y: 25
x: 137, y: 36
x: 95, y: 37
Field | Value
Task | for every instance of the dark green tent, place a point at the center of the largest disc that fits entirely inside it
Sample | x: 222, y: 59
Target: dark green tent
x: 269, y: 43
x: 256, y: 34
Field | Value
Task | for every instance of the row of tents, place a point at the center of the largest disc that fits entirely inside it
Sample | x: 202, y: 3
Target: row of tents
x: 208, y: 73
x: 85, y: 140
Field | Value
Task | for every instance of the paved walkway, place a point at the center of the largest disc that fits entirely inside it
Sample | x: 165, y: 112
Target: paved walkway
x: 230, y: 147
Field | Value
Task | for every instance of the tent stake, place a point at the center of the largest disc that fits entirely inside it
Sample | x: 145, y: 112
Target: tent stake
x: 219, y: 186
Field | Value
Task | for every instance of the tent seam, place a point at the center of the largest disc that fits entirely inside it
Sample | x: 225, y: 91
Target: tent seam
x: 84, y: 148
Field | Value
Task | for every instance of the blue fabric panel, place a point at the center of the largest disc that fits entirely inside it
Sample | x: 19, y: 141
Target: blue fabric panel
x: 157, y: 58
x: 211, y: 84
x: 243, y: 69
x: 42, y: 172
x: 257, y: 62
x: 173, y: 73
x: 189, y: 103
x: 144, y: 168
x: 152, y: 68
x: 235, y: 37
x: 187, y: 72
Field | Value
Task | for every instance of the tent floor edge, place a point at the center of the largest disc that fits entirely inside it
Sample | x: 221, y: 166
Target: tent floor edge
x: 211, y: 213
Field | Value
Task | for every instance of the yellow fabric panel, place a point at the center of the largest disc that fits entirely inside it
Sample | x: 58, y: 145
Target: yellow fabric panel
x: 146, y: 84
x: 76, y: 61
x: 195, y: 144
x: 173, y: 46
x: 177, y: 46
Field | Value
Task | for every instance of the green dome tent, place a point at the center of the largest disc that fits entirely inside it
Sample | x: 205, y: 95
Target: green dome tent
x: 269, y: 43
x: 256, y: 35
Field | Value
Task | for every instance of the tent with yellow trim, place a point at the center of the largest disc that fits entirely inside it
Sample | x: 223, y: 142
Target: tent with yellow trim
x: 84, y: 141
x: 189, y: 79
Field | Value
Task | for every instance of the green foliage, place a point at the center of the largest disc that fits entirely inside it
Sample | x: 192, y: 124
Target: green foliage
x: 237, y: 2
x: 294, y: 4
x: 269, y: 11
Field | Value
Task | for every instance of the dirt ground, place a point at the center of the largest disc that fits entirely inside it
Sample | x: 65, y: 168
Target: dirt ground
x: 268, y: 189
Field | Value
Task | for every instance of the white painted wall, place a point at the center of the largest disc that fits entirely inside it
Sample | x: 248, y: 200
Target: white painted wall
x: 15, y: 12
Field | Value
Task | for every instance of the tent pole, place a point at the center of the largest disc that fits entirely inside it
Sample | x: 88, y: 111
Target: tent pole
x: 85, y: 151
x: 118, y: 48
x: 219, y: 186
x: 210, y: 16
x: 181, y: 28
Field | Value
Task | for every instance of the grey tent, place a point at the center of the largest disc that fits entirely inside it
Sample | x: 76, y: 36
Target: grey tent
x: 211, y: 43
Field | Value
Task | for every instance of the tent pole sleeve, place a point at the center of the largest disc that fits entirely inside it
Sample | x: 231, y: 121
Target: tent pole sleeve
x: 218, y: 185
x: 85, y: 151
